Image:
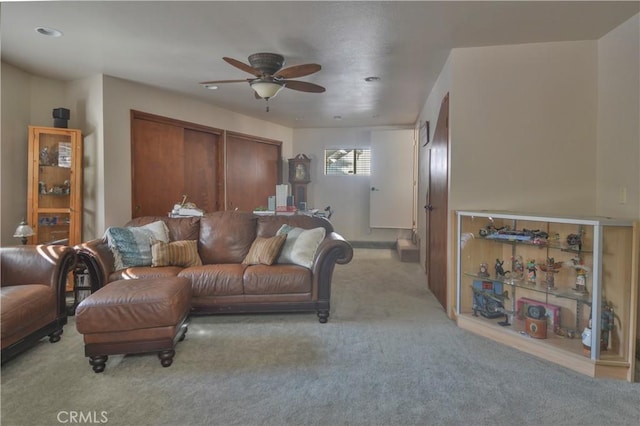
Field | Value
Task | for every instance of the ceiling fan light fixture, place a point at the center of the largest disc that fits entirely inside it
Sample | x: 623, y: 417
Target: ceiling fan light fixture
x: 266, y: 89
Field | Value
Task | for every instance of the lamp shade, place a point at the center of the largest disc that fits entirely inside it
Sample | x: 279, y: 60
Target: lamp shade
x: 266, y: 89
x: 23, y: 231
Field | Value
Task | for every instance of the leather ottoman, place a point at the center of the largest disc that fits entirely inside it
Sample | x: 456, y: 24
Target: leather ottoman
x: 135, y: 316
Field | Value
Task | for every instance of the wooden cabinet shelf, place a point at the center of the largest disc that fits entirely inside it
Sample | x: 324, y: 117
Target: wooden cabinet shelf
x: 54, y: 201
x: 568, y: 284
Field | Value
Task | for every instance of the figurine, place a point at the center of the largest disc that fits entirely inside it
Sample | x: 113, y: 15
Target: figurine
x: 517, y: 267
x: 551, y: 267
x: 581, y: 274
x: 607, y: 324
x: 531, y: 270
x: 574, y: 240
x: 44, y: 156
x: 500, y: 273
x: 484, y: 270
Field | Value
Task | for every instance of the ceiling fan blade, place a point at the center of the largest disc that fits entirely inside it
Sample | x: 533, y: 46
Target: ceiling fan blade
x: 303, y: 86
x: 225, y: 81
x: 241, y: 65
x: 298, y: 71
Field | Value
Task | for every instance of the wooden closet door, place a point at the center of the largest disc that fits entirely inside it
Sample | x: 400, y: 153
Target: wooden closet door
x: 253, y: 171
x: 157, y: 169
x: 203, y: 180
x: 171, y: 158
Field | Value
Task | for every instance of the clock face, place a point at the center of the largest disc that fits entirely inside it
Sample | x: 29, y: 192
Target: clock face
x: 299, y: 171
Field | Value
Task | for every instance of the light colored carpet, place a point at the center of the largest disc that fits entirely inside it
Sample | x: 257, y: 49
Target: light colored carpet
x: 387, y: 356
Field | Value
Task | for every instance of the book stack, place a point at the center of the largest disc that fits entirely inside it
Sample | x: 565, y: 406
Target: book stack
x: 182, y: 211
x: 282, y: 191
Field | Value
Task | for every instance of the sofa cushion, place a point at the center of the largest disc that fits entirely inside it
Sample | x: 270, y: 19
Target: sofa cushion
x: 226, y: 236
x: 215, y: 280
x: 24, y: 309
x: 269, y: 225
x: 276, y: 279
x: 131, y: 246
x: 137, y: 272
x: 265, y: 250
x: 175, y: 253
x: 301, y: 245
x: 180, y: 228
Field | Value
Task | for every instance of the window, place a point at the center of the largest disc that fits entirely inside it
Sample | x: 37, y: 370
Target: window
x: 347, y: 161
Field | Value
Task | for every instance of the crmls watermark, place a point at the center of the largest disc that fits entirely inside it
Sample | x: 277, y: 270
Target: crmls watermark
x: 82, y: 417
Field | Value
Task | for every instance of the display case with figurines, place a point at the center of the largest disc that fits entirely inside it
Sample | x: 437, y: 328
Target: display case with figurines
x: 54, y: 198
x: 550, y: 277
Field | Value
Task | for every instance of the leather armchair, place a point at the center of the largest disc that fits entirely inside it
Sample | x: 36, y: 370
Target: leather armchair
x: 32, y: 284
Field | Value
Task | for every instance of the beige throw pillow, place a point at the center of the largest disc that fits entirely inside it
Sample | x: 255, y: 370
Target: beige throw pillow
x: 301, y: 245
x: 264, y: 251
x: 176, y: 253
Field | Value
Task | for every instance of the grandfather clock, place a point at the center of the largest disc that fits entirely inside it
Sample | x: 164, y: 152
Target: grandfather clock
x: 299, y: 178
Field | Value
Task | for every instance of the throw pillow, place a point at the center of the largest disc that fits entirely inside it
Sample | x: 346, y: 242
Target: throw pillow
x: 301, y: 245
x: 175, y: 253
x: 159, y: 230
x: 264, y: 250
x: 131, y: 246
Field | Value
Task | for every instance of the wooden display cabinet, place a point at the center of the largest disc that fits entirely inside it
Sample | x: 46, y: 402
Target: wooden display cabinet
x: 54, y: 201
x: 591, y: 272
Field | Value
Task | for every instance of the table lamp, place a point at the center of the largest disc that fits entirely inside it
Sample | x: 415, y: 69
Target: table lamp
x: 23, y: 231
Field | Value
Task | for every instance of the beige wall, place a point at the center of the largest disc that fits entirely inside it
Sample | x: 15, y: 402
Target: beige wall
x: 348, y: 196
x: 26, y: 100
x: 523, y: 128
x: 86, y: 103
x: 618, y: 146
x: 13, y: 151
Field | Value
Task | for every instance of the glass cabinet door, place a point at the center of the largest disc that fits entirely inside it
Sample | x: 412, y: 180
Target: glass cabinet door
x: 55, y: 182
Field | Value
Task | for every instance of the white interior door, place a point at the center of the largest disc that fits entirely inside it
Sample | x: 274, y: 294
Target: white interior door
x: 392, y: 179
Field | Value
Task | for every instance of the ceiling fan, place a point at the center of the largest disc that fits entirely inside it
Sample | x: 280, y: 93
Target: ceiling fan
x: 270, y: 77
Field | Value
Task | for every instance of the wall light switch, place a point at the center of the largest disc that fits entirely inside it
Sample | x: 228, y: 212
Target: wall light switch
x: 622, y: 195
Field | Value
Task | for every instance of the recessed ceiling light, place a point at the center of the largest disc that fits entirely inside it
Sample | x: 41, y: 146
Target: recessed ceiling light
x: 371, y: 79
x: 337, y: 117
x: 49, y: 32
x: 210, y: 86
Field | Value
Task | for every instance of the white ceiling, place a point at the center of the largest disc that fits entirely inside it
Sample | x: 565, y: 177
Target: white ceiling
x: 175, y: 45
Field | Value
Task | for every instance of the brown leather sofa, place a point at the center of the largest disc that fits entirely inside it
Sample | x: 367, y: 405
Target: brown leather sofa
x: 223, y: 284
x: 33, y: 283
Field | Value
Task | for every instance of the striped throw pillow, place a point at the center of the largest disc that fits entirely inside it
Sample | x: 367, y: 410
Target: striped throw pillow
x: 264, y: 251
x: 176, y: 253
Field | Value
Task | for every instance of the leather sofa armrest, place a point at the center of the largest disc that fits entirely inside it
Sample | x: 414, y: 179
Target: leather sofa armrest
x: 98, y: 259
x: 333, y: 249
x: 38, y: 264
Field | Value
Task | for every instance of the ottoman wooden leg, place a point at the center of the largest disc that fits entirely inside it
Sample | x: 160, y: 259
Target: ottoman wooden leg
x: 184, y: 334
x: 55, y: 336
x: 98, y: 362
x: 166, y: 357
